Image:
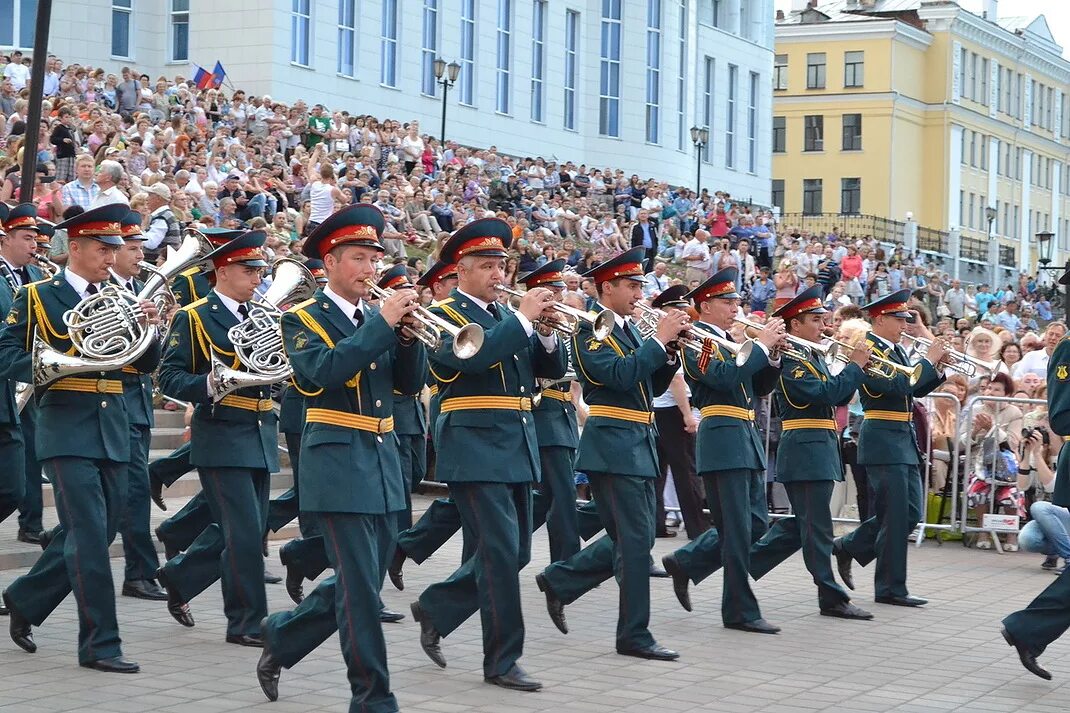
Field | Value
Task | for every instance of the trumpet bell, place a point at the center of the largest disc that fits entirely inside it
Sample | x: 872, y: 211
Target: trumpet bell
x: 744, y: 352
x: 603, y: 324
x: 468, y: 341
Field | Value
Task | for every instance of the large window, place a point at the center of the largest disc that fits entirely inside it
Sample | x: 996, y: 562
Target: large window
x: 853, y: 68
x: 572, y: 41
x: 752, y: 124
x: 503, y: 62
x: 538, y: 60
x: 347, y: 38
x: 780, y: 134
x: 122, y: 13
x: 179, y: 21
x: 18, y: 18
x: 681, y: 79
x: 813, y: 132
x: 850, y: 196
x: 852, y: 132
x: 653, y: 70
x: 815, y: 70
x: 300, y: 31
x: 780, y: 72
x: 429, y: 47
x: 707, y: 103
x: 730, y: 118
x: 777, y: 196
x: 467, y: 79
x: 388, y: 44
x: 609, y: 66
x: 812, y: 196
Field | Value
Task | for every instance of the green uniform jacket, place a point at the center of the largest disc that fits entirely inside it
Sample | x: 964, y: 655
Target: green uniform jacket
x: 84, y: 424
x: 409, y: 416
x: 555, y: 418
x: 729, y: 442
x: 291, y: 410
x: 223, y: 436
x: 808, y: 393
x: 889, y: 440
x: 1059, y: 416
x: 489, y: 445
x: 615, y: 374
x: 190, y: 286
x: 9, y: 415
x: 345, y: 371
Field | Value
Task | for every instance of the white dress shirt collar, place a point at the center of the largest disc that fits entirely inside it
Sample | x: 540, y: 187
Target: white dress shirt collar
x: 231, y: 304
x: 79, y: 283
x: 348, y: 308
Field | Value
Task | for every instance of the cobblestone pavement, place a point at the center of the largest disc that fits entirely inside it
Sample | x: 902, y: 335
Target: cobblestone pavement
x: 946, y: 657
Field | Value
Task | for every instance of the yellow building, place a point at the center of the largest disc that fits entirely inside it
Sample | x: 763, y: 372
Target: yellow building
x: 922, y: 112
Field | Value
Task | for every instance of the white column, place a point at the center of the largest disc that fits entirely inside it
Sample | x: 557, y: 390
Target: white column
x: 1027, y: 185
x: 1056, y: 204
x: 954, y: 174
x: 993, y: 167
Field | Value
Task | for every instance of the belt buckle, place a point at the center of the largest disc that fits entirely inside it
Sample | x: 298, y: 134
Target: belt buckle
x: 381, y: 426
x: 264, y: 405
x: 102, y: 386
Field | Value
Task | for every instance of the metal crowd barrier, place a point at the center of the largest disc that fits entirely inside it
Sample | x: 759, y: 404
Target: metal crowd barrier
x: 1000, y: 403
x: 953, y: 486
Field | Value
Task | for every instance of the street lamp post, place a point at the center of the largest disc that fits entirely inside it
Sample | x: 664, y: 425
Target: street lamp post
x: 700, y: 136
x: 1045, y: 246
x: 993, y: 251
x: 446, y: 75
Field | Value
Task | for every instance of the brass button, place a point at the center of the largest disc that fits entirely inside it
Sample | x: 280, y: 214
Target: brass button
x: 102, y: 386
x: 378, y: 403
x: 372, y: 367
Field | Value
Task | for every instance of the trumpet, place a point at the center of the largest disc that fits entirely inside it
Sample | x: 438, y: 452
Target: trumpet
x: 799, y: 343
x: 957, y: 361
x: 428, y: 328
x: 544, y: 384
x: 695, y: 337
x: 602, y: 323
x: 877, y: 366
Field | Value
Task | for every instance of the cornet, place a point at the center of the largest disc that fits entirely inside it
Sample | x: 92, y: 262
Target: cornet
x: 877, y: 366
x: 602, y: 323
x: 428, y: 328
x: 957, y: 361
x: 695, y: 337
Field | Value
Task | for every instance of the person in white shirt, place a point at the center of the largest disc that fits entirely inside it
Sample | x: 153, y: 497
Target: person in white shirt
x: 108, y: 176
x: 696, y: 256
x: 656, y: 282
x: 17, y: 72
x: 1036, y: 362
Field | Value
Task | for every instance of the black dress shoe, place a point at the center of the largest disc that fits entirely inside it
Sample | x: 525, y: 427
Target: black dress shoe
x: 397, y: 577
x: 657, y: 572
x: 270, y: 578
x: 680, y: 580
x: 843, y: 563
x: 1027, y: 657
x: 156, y: 493
x: 907, y: 601
x: 654, y: 652
x: 758, y: 626
x: 553, y: 605
x: 30, y: 537
x: 846, y: 610
x: 116, y: 664
x: 665, y: 533
x: 515, y: 679
x: 169, y: 552
x: 429, y: 636
x: 252, y: 640
x: 295, y: 584
x: 20, y: 629
x: 46, y: 539
x: 143, y: 589
x: 176, y: 607
x: 268, y: 669
x: 390, y: 617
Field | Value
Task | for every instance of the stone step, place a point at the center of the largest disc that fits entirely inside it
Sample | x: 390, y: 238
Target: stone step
x: 167, y: 438
x: 169, y: 419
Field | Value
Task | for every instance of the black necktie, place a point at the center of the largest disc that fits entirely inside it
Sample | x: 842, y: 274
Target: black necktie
x: 24, y: 275
x: 493, y: 309
x: 91, y: 289
x: 358, y: 318
x: 243, y: 312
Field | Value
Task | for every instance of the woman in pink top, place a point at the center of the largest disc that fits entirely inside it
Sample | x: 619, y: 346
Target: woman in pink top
x: 718, y: 222
x: 787, y: 285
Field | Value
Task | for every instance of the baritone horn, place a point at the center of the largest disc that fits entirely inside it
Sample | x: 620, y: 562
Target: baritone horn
x: 961, y: 362
x: 428, y: 327
x: 601, y: 323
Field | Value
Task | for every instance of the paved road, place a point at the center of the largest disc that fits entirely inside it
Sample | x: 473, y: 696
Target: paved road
x: 945, y: 657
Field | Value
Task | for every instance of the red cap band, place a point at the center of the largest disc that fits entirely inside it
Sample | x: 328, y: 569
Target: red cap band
x: 239, y: 256
x: 887, y: 308
x: 544, y: 278
x: 716, y: 290
x: 800, y: 308
x: 349, y: 234
x: 627, y: 269
x: 23, y: 221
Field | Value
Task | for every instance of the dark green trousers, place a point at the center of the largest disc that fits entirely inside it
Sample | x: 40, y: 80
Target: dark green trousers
x: 554, y: 502
x: 1045, y: 619
x: 32, y: 506
x: 358, y: 547
x: 412, y: 448
x: 436, y: 526
x: 229, y: 549
x: 138, y: 547
x: 12, y: 477
x: 626, y: 505
x: 883, y: 537
x: 90, y: 496
x: 496, y: 521
x: 810, y: 530
x: 172, y: 466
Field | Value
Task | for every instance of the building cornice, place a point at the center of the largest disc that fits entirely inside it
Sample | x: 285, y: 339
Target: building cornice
x: 856, y: 30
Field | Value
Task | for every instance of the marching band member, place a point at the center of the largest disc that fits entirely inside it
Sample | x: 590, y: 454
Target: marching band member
x: 487, y: 451
x: 888, y: 449
x: 620, y: 375
x: 808, y: 458
x: 347, y: 360
x: 84, y: 446
x: 234, y: 446
x: 730, y: 455
x: 138, y: 548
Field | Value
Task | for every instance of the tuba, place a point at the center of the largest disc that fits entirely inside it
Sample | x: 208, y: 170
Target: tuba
x: 257, y: 341
x: 106, y: 328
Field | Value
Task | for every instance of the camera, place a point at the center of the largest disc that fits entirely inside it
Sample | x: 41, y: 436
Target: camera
x: 1028, y: 433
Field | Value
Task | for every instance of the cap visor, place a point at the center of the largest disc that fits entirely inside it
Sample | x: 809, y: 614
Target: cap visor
x: 113, y: 240
x: 635, y: 278
x: 251, y: 263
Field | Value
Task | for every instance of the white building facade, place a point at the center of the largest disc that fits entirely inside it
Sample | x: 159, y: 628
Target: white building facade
x: 604, y: 82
